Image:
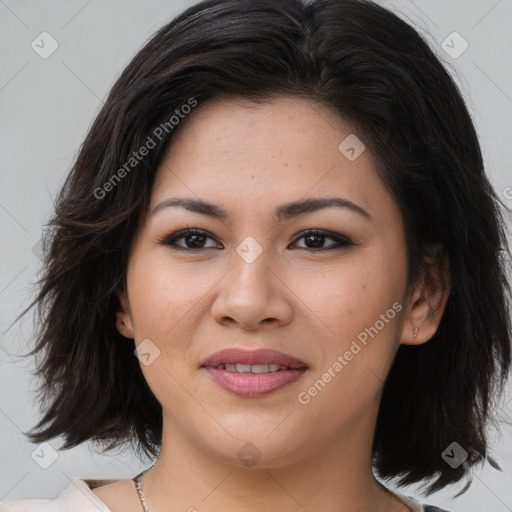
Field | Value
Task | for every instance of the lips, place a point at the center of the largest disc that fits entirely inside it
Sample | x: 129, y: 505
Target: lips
x: 255, y: 373
x: 234, y: 356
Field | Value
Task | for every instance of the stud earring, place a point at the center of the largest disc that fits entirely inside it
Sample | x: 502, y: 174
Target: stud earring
x: 415, y: 335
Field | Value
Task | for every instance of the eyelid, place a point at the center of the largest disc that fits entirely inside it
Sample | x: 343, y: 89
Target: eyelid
x: 337, y: 237
x: 182, y: 233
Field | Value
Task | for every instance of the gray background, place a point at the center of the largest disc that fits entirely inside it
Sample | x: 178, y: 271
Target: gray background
x: 47, y: 106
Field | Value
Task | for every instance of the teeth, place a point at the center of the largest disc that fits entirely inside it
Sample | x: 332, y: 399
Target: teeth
x: 252, y: 368
x: 260, y: 368
x: 243, y: 368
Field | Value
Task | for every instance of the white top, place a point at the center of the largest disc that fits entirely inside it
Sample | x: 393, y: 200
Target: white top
x: 78, y: 497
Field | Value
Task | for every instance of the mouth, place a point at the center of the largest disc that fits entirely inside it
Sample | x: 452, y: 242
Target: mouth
x: 253, y: 373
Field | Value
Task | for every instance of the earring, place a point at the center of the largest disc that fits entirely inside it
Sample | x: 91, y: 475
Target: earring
x: 415, y: 335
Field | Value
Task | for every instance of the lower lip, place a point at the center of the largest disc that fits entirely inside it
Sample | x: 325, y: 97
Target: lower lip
x: 253, y: 384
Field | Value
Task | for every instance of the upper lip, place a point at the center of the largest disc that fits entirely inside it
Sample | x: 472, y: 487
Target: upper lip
x: 260, y: 356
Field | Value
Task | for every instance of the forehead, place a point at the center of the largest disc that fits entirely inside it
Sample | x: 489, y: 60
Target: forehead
x: 252, y: 155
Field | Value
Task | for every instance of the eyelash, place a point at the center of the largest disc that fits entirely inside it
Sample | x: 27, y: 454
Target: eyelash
x: 171, y: 239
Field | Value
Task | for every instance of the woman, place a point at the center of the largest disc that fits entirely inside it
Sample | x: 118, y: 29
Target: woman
x: 282, y: 211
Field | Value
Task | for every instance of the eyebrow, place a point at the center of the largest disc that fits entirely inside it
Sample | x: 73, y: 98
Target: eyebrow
x: 284, y: 212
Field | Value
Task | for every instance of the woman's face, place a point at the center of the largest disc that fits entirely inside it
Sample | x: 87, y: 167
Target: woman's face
x: 255, y: 280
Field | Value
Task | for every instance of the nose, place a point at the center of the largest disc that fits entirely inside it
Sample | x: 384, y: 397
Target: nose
x: 253, y: 295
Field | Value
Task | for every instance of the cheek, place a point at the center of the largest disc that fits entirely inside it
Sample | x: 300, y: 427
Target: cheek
x: 165, y: 305
x: 359, y: 308
x: 164, y: 296
x: 352, y: 295
x: 357, y: 358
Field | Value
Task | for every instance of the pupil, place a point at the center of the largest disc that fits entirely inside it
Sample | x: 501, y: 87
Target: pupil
x: 195, y: 242
x: 317, y: 237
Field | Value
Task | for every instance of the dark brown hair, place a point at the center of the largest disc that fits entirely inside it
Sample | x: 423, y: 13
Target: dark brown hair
x: 363, y: 63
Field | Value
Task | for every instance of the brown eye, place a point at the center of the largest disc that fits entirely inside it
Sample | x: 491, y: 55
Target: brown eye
x: 314, y: 240
x: 194, y: 239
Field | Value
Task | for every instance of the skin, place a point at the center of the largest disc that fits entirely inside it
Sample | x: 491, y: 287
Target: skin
x: 309, y: 304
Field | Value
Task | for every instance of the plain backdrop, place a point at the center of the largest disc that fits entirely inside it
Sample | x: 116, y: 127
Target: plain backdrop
x: 48, y: 104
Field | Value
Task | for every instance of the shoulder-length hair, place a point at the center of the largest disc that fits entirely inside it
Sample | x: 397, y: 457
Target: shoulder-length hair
x: 363, y: 63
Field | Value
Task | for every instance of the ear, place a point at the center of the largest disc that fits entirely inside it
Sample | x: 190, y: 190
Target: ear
x: 123, y: 317
x: 428, y: 299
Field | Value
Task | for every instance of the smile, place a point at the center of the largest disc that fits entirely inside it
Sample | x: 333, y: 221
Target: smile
x: 253, y: 373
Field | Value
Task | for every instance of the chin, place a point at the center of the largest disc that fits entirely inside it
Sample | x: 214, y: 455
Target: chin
x: 257, y: 450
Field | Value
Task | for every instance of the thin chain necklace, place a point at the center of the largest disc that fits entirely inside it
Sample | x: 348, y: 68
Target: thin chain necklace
x: 138, y: 486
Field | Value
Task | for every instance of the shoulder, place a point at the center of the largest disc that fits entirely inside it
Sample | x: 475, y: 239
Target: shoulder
x: 118, y: 496
x: 416, y: 506
x: 78, y: 497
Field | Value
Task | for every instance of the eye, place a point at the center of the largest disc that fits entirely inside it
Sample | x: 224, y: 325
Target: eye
x: 316, y: 238
x: 194, y: 240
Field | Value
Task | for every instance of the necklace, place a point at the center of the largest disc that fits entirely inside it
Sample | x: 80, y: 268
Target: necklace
x: 140, y: 493
x: 138, y: 486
